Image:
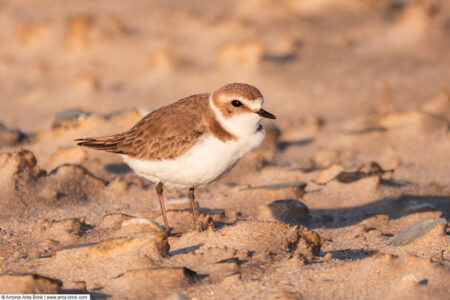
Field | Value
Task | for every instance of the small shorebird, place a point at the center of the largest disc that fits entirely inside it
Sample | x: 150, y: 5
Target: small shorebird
x: 192, y: 142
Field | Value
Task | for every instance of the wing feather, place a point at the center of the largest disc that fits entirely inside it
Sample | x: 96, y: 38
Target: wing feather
x: 163, y: 134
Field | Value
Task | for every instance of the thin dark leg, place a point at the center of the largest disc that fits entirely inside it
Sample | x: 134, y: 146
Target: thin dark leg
x: 159, y: 191
x: 191, y: 197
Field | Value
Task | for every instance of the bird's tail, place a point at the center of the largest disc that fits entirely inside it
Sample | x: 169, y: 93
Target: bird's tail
x: 106, y: 143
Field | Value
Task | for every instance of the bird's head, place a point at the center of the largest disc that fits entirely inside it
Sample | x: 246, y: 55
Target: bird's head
x: 238, y: 107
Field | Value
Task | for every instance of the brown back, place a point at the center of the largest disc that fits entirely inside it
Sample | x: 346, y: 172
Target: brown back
x: 165, y: 133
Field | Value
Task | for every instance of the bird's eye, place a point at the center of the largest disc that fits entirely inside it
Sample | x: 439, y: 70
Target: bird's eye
x: 236, y: 103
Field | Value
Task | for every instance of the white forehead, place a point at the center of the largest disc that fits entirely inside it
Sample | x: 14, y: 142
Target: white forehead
x: 253, y: 105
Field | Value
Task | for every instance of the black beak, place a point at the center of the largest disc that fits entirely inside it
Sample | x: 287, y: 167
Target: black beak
x: 265, y: 114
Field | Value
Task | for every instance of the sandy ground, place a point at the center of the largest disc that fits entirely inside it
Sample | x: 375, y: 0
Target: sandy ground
x: 351, y: 82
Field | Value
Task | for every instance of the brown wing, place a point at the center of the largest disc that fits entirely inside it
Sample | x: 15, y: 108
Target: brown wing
x: 163, y: 134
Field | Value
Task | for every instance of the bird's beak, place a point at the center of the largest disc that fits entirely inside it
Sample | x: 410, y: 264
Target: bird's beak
x: 265, y: 114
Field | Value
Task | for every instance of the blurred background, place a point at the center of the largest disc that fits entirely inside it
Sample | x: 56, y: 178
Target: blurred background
x: 331, y: 59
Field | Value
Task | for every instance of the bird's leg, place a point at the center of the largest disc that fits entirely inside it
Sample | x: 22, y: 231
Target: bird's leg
x: 159, y: 191
x: 191, y: 197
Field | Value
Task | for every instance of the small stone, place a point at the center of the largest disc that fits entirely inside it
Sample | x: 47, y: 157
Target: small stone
x: 372, y: 169
x: 151, y: 245
x: 75, y: 182
x: 28, y: 284
x: 113, y: 221
x: 152, y: 283
x: 68, y: 117
x: 67, y: 155
x: 289, y: 211
x: 119, y: 246
x: 96, y: 262
x: 328, y: 174
x: 136, y: 225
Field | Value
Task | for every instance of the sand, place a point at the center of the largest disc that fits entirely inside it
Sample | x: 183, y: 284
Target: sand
x: 360, y: 91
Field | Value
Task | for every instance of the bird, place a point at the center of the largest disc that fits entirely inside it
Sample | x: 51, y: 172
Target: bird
x: 192, y: 142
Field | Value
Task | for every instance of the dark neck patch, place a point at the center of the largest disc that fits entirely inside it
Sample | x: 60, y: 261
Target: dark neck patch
x: 218, y: 131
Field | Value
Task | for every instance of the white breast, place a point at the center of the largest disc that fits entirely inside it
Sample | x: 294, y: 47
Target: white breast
x: 210, y: 159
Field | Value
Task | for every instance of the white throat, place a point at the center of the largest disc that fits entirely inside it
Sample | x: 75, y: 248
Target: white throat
x: 240, y: 125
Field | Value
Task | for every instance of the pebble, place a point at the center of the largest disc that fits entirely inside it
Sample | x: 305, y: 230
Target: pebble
x: 372, y: 169
x: 68, y: 117
x: 289, y: 211
x: 328, y: 174
x: 68, y: 155
x: 151, y: 283
x: 135, y: 225
x: 96, y: 262
x: 113, y: 220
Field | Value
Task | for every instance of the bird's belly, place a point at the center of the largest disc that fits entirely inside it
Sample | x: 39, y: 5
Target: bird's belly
x: 210, y: 159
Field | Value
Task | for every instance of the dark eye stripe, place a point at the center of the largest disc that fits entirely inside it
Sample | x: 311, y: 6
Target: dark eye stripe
x: 236, y: 103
